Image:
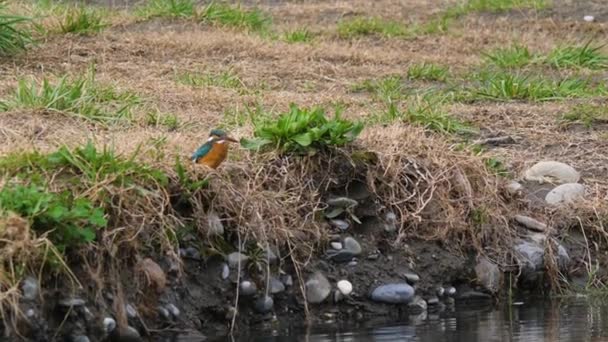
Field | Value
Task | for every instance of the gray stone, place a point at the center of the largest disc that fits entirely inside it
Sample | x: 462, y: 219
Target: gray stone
x: 353, y: 263
x: 342, y: 202
x: 432, y: 301
x: 109, y: 324
x: 263, y: 304
x: 338, y: 296
x: 563, y: 259
x: 72, y: 302
x: 216, y: 228
x: 488, y: 275
x: 514, y: 188
x: 225, y: 271
x: 336, y: 245
x: 391, y: 222
x: 276, y: 286
x: 531, y: 223
x: 531, y: 257
x: 247, y: 288
x: 552, y: 172
x: 80, y: 338
x: 351, y: 245
x: 271, y: 256
x: 129, y: 334
x: 341, y: 255
x: 417, y: 305
x: 565, y: 193
x: 30, y: 313
x: 234, y: 258
x: 340, y: 224
x: 411, y: 278
x: 451, y: 291
x: 131, y: 311
x: 440, y: 291
x: 193, y: 253
x: 287, y: 280
x: 345, y: 287
x: 317, y: 288
x: 173, y: 310
x: 29, y: 288
x: 399, y: 293
x: 164, y: 313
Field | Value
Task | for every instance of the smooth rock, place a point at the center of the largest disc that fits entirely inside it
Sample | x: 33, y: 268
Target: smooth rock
x: 589, y: 18
x: 247, y: 288
x: 215, y: 226
x: 432, y: 301
x: 338, y: 296
x: 440, y: 291
x: 154, y: 274
x: 552, y: 172
x: 342, y: 202
x: 80, y: 338
x: 451, y: 291
x: 271, y: 256
x: 488, y: 275
x: 287, y: 280
x: 565, y: 193
x: 399, y: 293
x: 192, y: 252
x: 173, y: 310
x: 531, y: 257
x: 164, y: 313
x: 263, y: 304
x: 411, y: 278
x: 30, y: 313
x: 72, y: 302
x: 340, y: 224
x: 531, y: 223
x: 29, y: 288
x: 417, y: 305
x: 336, y: 245
x: 514, y: 188
x: 351, y: 245
x: 131, y: 311
x: 235, y: 258
x: 109, y: 324
x: 128, y: 334
x: 345, y: 287
x: 317, y: 288
x: 276, y: 286
x: 225, y: 271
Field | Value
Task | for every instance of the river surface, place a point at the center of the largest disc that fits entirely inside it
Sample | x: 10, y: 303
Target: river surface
x: 572, y: 320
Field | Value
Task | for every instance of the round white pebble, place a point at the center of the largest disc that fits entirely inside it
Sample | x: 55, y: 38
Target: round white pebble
x: 588, y: 18
x: 345, y: 287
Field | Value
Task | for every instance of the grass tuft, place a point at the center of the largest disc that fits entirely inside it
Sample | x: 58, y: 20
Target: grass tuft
x: 82, y: 20
x: 358, y: 27
x: 586, y: 114
x: 81, y: 97
x: 387, y: 89
x: 14, y: 38
x: 235, y: 16
x: 515, y: 56
x: 427, y: 72
x: 224, y: 79
x: 301, y: 35
x: 586, y: 56
x: 503, y: 5
x: 168, y: 9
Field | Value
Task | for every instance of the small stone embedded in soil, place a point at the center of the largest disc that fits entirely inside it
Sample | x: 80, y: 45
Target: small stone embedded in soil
x: 488, y: 274
x: 317, y: 288
x: 235, y: 258
x: 109, y: 324
x: 514, y: 188
x: 131, y: 311
x: 342, y: 202
x: 72, y: 302
x: 248, y: 288
x: 271, y: 256
x: 565, y: 193
x: 589, y: 18
x: 345, y: 287
x: 440, y: 291
x: 193, y: 253
x: 336, y: 245
x: 432, y: 301
x: 531, y: 223
x: 164, y: 313
x: 216, y: 228
x: 173, y: 310
x: 225, y: 271
x: 398, y: 293
x: 30, y: 313
x: 417, y: 305
x: 411, y: 278
x: 287, y: 280
x: 552, y: 172
x: 263, y: 304
x: 129, y: 334
x: 340, y: 224
x: 451, y: 291
x: 276, y: 286
x: 351, y: 245
x: 29, y: 288
x: 531, y: 256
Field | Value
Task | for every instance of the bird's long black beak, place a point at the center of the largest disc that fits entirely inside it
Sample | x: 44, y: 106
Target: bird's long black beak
x: 231, y: 139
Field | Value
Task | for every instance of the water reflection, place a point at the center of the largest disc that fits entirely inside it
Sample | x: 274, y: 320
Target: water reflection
x: 568, y: 321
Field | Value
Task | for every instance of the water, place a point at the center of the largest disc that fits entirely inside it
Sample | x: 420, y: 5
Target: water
x: 569, y: 321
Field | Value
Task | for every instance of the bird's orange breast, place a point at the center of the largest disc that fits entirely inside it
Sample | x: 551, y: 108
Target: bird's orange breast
x: 216, y: 156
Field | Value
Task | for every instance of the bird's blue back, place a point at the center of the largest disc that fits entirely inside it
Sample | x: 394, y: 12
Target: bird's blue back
x: 202, y: 151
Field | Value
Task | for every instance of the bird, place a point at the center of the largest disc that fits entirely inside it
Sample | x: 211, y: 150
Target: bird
x: 213, y: 152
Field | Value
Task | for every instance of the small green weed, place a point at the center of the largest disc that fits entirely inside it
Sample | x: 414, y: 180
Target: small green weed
x: 81, y: 97
x: 586, y: 114
x: 224, y: 79
x: 503, y: 5
x: 235, y: 16
x: 14, y: 37
x: 303, y: 130
x: 515, y: 56
x: 240, y: 116
x: 188, y: 184
x: 428, y: 111
x: 168, y: 9
x: 371, y: 26
x: 159, y: 119
x: 82, y: 20
x: 586, y: 56
x: 427, y: 72
x: 301, y: 35
x: 387, y: 89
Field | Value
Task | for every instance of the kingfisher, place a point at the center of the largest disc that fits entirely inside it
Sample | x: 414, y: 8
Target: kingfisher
x: 213, y: 152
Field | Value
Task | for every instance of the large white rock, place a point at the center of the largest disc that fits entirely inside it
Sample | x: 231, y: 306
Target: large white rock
x: 565, y: 193
x: 552, y: 172
x: 345, y: 287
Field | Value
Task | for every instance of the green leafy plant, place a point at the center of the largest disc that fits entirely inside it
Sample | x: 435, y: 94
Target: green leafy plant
x: 387, y: 89
x: 428, y: 72
x: 303, y: 130
x: 515, y: 56
x: 235, y: 16
x: 168, y: 9
x: 14, y: 38
x: 586, y: 56
x: 301, y: 35
x: 82, y: 20
x: 188, y: 184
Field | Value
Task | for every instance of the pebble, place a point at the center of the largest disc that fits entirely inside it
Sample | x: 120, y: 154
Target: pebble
x: 129, y: 334
x: 488, y: 275
x: 552, y: 172
x: 263, y: 304
x: 271, y: 256
x: 216, y: 228
x: 276, y: 286
x: 164, y: 313
x: 248, y: 288
x: 565, y: 193
x: 432, y: 301
x: 514, y: 188
x: 29, y: 288
x: 234, y: 258
x: 440, y: 291
x: 412, y: 278
x: 72, y: 302
x: 131, y: 312
x: 336, y: 245
x: 225, y: 271
x: 342, y: 202
x: 340, y: 224
x: 192, y: 252
x: 352, y: 263
x: 351, y: 245
x: 451, y: 291
x: 173, y: 310
x: 417, y: 305
x: 109, y: 324
x: 589, y: 18
x: 287, y: 280
x: 345, y: 287
x: 30, y: 313
x: 398, y: 293
x: 530, y: 223
x: 317, y: 288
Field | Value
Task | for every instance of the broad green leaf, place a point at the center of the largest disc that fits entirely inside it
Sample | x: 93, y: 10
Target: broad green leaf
x: 304, y: 139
